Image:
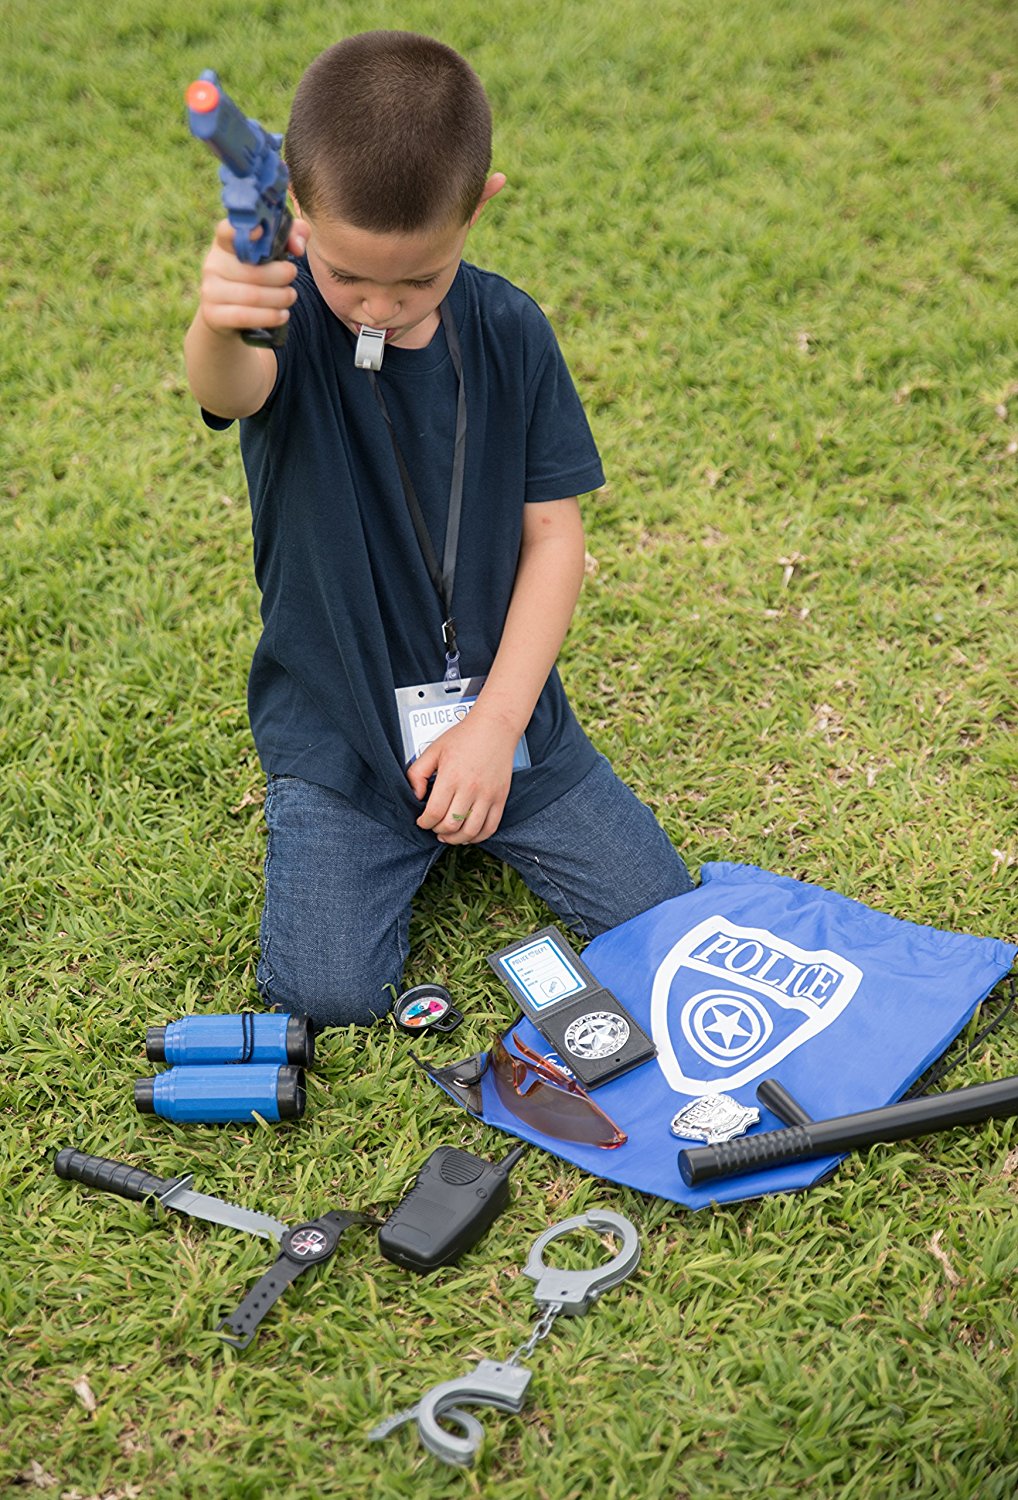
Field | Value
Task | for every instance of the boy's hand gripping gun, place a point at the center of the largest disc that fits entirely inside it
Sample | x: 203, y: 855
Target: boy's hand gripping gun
x: 254, y: 179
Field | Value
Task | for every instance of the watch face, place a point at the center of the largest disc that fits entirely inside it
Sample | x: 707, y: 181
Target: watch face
x: 306, y: 1242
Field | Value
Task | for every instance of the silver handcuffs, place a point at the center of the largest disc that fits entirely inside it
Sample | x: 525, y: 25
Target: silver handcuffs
x: 503, y: 1383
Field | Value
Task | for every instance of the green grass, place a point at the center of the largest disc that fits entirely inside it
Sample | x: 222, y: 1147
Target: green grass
x: 779, y: 246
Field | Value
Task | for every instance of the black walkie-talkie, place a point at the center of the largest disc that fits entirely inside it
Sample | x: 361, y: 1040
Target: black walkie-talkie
x: 454, y: 1198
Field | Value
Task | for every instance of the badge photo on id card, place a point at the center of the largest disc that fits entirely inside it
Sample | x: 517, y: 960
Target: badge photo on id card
x: 430, y: 708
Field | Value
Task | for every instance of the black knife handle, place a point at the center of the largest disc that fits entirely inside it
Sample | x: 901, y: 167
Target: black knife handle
x: 111, y: 1176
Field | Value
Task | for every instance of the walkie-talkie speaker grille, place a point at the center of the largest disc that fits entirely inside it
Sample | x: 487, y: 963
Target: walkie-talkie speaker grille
x: 459, y: 1168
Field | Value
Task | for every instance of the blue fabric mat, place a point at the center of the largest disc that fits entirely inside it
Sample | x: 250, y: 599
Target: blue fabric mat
x: 753, y: 975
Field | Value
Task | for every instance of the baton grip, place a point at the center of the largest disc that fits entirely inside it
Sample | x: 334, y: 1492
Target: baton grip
x: 871, y: 1127
x: 111, y: 1176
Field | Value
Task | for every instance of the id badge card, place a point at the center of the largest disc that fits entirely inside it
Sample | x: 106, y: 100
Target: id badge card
x: 592, y: 1032
x: 430, y: 708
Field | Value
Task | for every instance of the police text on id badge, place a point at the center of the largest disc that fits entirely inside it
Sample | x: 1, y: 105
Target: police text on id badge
x: 430, y: 708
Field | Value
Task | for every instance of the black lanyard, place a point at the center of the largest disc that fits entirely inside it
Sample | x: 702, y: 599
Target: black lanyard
x: 442, y: 577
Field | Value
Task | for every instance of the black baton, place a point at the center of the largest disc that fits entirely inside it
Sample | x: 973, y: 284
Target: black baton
x: 895, y: 1122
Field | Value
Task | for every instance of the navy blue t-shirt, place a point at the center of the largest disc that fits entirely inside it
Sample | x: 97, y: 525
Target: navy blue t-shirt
x: 349, y: 610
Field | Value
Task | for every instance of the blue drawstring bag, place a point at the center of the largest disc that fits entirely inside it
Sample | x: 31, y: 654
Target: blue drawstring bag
x: 754, y: 975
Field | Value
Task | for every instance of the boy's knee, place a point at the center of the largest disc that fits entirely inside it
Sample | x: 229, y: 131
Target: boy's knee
x: 344, y: 1001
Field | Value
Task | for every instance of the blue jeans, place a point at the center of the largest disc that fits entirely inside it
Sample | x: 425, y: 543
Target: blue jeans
x: 339, y: 886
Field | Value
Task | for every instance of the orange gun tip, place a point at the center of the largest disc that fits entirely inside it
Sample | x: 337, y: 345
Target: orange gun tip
x: 202, y: 96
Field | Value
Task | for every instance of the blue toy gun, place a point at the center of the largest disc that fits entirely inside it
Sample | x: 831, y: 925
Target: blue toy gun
x: 254, y: 179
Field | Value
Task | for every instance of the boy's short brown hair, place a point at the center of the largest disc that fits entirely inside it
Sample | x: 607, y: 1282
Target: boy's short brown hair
x: 390, y: 132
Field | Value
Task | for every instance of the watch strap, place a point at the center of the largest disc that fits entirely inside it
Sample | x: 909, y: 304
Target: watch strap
x: 301, y: 1247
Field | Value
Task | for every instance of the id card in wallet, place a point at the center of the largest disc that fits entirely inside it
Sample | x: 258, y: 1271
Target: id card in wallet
x: 429, y: 709
x: 592, y: 1032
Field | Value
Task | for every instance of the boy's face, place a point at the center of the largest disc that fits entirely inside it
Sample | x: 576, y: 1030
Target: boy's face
x: 390, y: 281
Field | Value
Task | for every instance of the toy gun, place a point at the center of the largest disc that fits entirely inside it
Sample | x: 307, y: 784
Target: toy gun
x: 254, y: 179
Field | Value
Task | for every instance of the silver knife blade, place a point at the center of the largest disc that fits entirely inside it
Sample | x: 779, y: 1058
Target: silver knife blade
x: 182, y: 1199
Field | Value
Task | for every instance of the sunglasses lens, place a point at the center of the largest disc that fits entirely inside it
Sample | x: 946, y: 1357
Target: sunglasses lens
x: 556, y: 1111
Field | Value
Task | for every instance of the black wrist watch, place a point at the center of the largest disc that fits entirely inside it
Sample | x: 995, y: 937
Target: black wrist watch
x: 301, y: 1247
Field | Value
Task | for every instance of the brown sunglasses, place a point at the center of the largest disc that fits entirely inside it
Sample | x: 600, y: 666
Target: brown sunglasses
x: 533, y: 1089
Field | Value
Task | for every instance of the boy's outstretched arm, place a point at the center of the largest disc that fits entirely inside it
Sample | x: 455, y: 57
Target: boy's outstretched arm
x: 472, y: 762
x: 228, y: 377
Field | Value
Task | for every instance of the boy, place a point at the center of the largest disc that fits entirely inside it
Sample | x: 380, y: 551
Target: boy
x: 381, y: 503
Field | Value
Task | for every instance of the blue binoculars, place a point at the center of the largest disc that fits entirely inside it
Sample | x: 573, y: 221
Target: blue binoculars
x: 272, y: 1037
x: 216, y: 1094
x: 228, y: 1068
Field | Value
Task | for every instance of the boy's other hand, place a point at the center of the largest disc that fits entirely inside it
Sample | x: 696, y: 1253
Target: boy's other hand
x: 235, y: 295
x: 472, y: 764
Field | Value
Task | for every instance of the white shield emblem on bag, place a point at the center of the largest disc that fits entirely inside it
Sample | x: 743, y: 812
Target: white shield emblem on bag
x: 729, y: 1002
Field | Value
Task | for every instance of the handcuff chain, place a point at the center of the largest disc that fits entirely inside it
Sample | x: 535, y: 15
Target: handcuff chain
x: 540, y: 1331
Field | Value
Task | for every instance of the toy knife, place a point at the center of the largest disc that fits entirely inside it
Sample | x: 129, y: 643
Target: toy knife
x: 169, y: 1192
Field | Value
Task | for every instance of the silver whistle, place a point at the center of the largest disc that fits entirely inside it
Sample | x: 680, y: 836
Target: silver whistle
x: 370, y: 348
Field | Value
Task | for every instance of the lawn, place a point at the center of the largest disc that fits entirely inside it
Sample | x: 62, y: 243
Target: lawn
x: 778, y: 244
